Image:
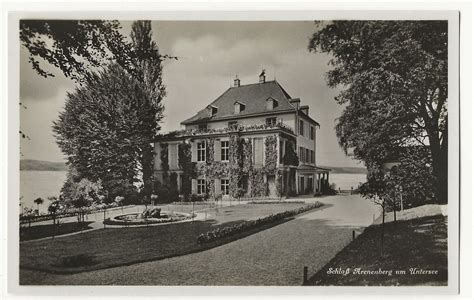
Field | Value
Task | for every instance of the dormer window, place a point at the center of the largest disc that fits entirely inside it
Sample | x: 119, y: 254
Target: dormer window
x: 212, y: 110
x: 272, y: 103
x: 271, y: 121
x: 238, y: 107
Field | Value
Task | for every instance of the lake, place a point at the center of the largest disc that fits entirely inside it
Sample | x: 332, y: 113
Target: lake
x: 34, y: 184
x: 44, y: 184
x: 345, y: 181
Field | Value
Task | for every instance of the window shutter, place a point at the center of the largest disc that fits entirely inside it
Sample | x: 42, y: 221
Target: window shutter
x: 217, y: 185
x: 258, y: 154
x: 173, y: 156
x: 217, y: 150
x: 193, y: 152
x: 157, y: 159
x: 194, y: 186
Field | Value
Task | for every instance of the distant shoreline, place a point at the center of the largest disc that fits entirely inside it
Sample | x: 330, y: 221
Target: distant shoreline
x: 346, y: 170
x: 41, y: 165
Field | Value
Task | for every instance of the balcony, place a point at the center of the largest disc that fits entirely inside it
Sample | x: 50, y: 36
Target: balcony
x: 232, y: 129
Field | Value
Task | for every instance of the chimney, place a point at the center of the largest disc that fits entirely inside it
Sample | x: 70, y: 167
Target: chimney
x: 236, y: 81
x: 262, y: 77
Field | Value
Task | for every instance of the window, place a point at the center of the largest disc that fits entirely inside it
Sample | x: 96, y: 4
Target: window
x: 225, y: 150
x: 202, y: 127
x: 270, y: 121
x: 312, y: 156
x: 225, y: 186
x: 312, y: 133
x: 271, y: 104
x: 308, y: 156
x: 201, y: 151
x: 201, y: 186
x: 213, y: 110
x: 238, y: 107
x: 302, y: 153
x: 301, y: 127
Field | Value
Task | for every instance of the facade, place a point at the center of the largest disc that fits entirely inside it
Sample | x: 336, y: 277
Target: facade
x: 254, y: 140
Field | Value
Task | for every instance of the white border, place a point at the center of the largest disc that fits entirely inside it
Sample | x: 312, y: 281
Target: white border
x: 176, y: 11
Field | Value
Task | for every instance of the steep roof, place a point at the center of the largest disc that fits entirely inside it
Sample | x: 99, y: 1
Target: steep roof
x: 254, y: 96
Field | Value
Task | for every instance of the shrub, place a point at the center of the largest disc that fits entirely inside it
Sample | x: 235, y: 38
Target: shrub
x: 330, y: 190
x: 273, y: 202
x: 198, y: 197
x: 123, y: 188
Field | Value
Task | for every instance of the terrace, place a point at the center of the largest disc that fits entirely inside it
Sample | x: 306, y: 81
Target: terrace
x: 227, y: 130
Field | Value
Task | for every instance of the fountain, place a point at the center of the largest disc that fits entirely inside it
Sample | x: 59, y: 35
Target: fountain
x: 147, y: 217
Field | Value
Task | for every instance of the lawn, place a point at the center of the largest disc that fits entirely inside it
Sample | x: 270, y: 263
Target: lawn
x: 41, y: 231
x: 112, y: 247
x: 417, y: 243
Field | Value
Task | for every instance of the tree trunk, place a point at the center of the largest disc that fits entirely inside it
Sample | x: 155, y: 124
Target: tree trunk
x: 439, y: 156
x: 383, y: 230
x: 147, y: 168
x: 395, y: 214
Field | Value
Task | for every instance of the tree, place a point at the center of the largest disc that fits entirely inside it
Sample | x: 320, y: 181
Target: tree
x: 81, y: 194
x: 148, y: 71
x: 393, y: 76
x: 54, y: 208
x: 38, y: 201
x: 74, y: 46
x: 374, y: 189
x: 109, y: 123
x: 104, y: 126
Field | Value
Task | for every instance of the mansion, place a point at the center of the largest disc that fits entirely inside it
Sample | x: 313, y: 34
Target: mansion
x: 254, y: 140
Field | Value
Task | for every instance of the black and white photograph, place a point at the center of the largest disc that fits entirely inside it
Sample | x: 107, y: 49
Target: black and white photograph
x: 187, y: 152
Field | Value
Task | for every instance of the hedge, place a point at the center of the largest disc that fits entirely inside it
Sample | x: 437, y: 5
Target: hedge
x: 275, y: 202
x: 226, y: 231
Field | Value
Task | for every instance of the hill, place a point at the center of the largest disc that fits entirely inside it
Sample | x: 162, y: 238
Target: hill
x: 348, y: 170
x: 41, y: 165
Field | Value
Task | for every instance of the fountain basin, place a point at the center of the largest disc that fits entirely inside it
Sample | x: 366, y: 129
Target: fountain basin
x: 138, y: 219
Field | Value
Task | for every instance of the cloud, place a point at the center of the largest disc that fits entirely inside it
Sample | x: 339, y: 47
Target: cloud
x: 34, y: 87
x: 210, y: 55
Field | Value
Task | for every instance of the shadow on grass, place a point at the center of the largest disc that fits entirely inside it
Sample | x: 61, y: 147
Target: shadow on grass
x: 49, y: 230
x: 417, y: 243
x: 113, y: 247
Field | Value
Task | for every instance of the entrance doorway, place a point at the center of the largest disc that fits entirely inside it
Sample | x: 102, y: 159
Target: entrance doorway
x: 301, y: 185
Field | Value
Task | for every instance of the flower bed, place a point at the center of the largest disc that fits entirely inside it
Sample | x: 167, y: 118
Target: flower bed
x: 195, y: 203
x: 223, y: 232
x: 274, y: 201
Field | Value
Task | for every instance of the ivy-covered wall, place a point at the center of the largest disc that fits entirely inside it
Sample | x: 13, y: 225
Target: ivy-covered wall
x: 245, y: 179
x: 185, y: 164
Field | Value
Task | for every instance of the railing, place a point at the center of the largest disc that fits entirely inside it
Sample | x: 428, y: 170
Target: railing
x: 232, y: 129
x: 70, y: 212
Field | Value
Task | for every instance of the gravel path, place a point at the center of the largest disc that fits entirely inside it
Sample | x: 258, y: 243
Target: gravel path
x: 275, y: 256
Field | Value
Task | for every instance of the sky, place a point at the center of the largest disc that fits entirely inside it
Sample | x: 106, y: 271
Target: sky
x: 211, y: 54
